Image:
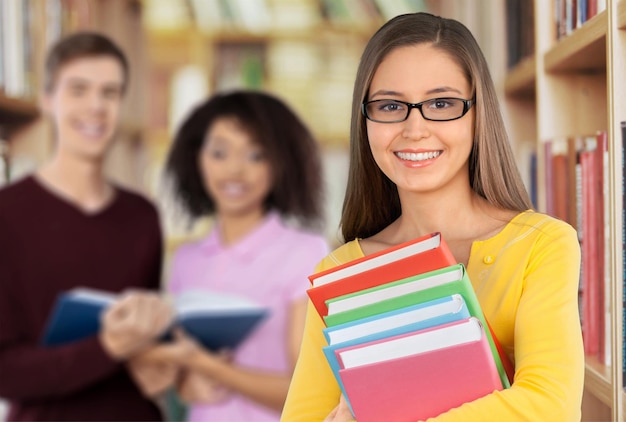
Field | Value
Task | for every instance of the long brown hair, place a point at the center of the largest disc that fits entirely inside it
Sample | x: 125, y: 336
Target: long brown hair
x: 371, y: 202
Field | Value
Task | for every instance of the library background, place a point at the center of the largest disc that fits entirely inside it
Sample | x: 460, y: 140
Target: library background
x: 560, y: 71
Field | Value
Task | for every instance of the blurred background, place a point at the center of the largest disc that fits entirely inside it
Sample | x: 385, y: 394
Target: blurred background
x: 181, y: 51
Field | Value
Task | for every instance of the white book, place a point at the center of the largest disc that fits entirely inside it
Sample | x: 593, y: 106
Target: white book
x: 420, y: 342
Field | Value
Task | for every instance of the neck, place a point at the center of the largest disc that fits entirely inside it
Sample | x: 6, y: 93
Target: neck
x: 452, y: 212
x: 234, y: 227
x: 81, y: 182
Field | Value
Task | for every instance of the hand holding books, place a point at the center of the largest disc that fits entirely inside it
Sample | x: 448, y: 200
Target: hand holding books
x: 215, y: 320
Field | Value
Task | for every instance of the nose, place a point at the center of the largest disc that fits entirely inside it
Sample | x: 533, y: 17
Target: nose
x: 96, y: 101
x: 415, y: 126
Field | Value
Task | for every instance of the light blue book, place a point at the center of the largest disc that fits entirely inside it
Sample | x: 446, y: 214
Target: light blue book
x: 398, y: 321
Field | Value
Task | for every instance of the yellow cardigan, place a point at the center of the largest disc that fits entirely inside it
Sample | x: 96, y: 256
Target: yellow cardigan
x: 526, y: 279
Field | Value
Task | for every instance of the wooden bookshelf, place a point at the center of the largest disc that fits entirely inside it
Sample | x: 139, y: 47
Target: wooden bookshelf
x: 17, y: 111
x: 520, y: 81
x: 582, y: 50
x: 577, y: 86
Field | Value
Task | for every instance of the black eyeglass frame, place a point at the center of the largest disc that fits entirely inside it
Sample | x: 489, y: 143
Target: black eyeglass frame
x: 467, y: 105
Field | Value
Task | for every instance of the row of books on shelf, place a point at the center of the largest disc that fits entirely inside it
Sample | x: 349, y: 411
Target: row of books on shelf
x: 577, y: 183
x: 26, y: 29
x: 407, y: 318
x: 568, y: 16
x: 571, y: 14
x: 16, y: 55
x: 263, y: 16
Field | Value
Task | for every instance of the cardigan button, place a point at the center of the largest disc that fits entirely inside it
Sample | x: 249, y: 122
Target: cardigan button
x: 489, y: 259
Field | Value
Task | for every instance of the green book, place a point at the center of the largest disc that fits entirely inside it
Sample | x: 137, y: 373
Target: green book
x: 410, y: 291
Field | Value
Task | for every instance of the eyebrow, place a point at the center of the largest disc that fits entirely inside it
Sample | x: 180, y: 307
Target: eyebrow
x: 437, y: 90
x: 84, y: 81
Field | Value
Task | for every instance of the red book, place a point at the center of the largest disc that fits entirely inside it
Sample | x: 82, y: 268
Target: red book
x: 419, y: 375
x: 602, y: 234
x: 427, y: 253
x: 589, y: 253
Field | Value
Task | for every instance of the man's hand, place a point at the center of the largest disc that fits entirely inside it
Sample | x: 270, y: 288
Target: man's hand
x: 134, y: 322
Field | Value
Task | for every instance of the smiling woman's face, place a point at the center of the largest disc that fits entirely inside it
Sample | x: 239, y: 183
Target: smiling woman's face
x: 419, y: 155
x: 235, y: 170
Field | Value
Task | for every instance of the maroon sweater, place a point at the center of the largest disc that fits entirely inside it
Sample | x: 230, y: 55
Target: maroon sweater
x: 47, y: 246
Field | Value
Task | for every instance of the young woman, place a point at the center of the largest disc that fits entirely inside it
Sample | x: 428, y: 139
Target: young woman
x: 247, y: 159
x: 429, y: 153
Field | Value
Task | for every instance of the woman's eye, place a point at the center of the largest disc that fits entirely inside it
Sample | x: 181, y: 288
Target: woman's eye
x: 390, y: 106
x: 440, y: 104
x: 217, y: 153
x: 256, y: 156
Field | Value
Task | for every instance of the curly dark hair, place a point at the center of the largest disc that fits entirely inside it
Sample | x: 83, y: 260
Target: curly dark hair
x: 290, y: 147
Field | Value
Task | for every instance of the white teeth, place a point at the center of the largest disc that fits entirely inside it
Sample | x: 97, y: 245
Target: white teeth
x: 233, y: 188
x: 418, y: 156
x: 92, y: 130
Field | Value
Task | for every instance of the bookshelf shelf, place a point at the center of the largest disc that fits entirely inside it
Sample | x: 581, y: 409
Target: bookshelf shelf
x: 16, y: 110
x: 520, y: 80
x: 598, y: 380
x: 583, y: 50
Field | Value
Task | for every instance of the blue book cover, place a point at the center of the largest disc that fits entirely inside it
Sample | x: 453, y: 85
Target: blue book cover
x: 398, y: 321
x: 215, y: 320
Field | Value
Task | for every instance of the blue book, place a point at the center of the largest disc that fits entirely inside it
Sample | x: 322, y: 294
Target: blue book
x: 398, y: 321
x: 215, y: 320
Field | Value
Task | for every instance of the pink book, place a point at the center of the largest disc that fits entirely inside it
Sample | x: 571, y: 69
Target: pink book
x: 419, y: 375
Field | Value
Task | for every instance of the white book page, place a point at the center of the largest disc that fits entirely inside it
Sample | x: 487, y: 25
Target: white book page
x: 374, y: 296
x: 455, y: 304
x: 99, y: 297
x: 381, y: 260
x: 207, y: 301
x: 421, y: 342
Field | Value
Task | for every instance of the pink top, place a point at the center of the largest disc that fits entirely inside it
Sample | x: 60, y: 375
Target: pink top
x: 270, y: 266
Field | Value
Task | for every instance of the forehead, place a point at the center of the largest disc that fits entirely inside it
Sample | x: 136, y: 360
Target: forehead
x: 225, y: 129
x: 418, y: 68
x: 97, y: 70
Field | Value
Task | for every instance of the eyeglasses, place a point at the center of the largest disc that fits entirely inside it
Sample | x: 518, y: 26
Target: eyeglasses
x: 436, y: 109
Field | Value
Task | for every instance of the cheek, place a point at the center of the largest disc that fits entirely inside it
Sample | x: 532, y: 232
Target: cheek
x: 206, y: 169
x: 264, y: 178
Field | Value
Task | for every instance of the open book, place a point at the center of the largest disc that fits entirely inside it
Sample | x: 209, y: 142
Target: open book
x: 214, y: 319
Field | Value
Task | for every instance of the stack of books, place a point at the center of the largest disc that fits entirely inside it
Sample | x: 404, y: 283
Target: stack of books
x: 407, y: 338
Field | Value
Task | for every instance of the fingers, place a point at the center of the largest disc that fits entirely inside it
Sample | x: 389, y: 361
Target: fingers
x: 153, y: 379
x: 199, y: 388
x: 134, y: 322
